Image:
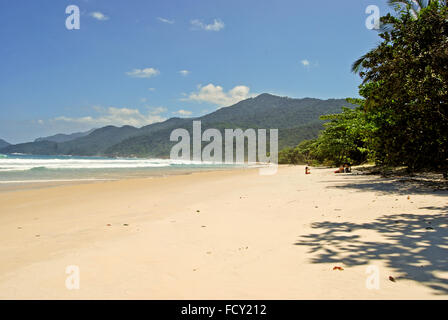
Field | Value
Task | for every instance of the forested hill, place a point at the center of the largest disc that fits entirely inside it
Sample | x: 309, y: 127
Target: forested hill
x: 64, y: 137
x: 296, y: 119
x: 3, y: 143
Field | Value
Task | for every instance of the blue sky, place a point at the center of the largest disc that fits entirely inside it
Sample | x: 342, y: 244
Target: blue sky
x: 139, y: 61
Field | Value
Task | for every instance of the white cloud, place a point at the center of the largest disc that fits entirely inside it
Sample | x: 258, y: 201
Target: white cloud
x: 165, y: 20
x: 216, y: 95
x: 114, y: 116
x: 99, y: 16
x: 309, y: 64
x: 183, y: 112
x: 305, y: 62
x: 184, y: 72
x: 152, y: 89
x: 158, y: 110
x: 215, y: 26
x: 143, y: 73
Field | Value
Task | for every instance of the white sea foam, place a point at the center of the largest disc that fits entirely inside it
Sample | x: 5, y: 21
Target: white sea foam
x: 21, y: 164
x: 52, y: 180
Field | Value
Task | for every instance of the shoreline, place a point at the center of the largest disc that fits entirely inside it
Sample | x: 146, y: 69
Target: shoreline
x: 22, y: 185
x: 229, y: 234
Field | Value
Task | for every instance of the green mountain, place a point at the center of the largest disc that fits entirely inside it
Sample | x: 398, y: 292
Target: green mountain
x: 98, y: 141
x: 3, y: 143
x: 296, y: 119
x: 64, y: 137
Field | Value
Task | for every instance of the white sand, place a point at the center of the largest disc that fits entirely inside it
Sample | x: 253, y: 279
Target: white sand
x: 241, y: 245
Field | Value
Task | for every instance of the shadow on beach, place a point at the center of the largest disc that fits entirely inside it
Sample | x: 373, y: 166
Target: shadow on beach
x: 399, y: 186
x: 414, y: 245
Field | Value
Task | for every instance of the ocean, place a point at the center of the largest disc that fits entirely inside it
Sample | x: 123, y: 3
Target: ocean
x: 19, y: 169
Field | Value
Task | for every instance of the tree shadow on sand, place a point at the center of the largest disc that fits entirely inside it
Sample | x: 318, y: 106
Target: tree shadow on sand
x: 413, y: 245
x: 399, y: 186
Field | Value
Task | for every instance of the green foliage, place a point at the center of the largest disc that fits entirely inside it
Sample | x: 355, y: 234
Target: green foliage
x: 345, y: 139
x: 289, y: 156
x: 403, y: 118
x: 301, y: 154
x: 405, y: 84
x: 307, y: 149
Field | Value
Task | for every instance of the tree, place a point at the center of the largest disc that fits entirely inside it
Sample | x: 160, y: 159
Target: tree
x: 345, y: 138
x: 307, y: 150
x: 405, y: 84
x: 289, y: 156
x: 412, y: 7
x: 303, y: 153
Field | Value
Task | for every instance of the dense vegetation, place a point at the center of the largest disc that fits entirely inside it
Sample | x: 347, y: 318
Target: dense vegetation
x: 296, y: 119
x: 402, y: 119
x: 345, y: 139
x: 64, y: 137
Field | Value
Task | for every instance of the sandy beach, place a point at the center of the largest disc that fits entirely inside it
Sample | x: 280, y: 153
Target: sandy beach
x: 227, y: 235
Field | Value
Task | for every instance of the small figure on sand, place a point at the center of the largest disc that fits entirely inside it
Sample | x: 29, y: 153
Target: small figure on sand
x: 340, y: 170
x: 307, y: 170
x: 345, y: 168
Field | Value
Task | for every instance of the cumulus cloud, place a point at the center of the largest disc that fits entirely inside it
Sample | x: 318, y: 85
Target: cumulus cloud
x: 165, y: 20
x: 305, y: 62
x: 114, y: 116
x: 99, y: 16
x: 183, y: 112
x: 216, y: 95
x: 143, y: 73
x: 184, y: 72
x: 309, y: 64
x: 158, y: 110
x: 215, y: 26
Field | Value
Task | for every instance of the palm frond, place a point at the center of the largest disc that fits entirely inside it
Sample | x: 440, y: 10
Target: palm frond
x: 413, y: 6
x: 386, y: 27
x: 357, y: 65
